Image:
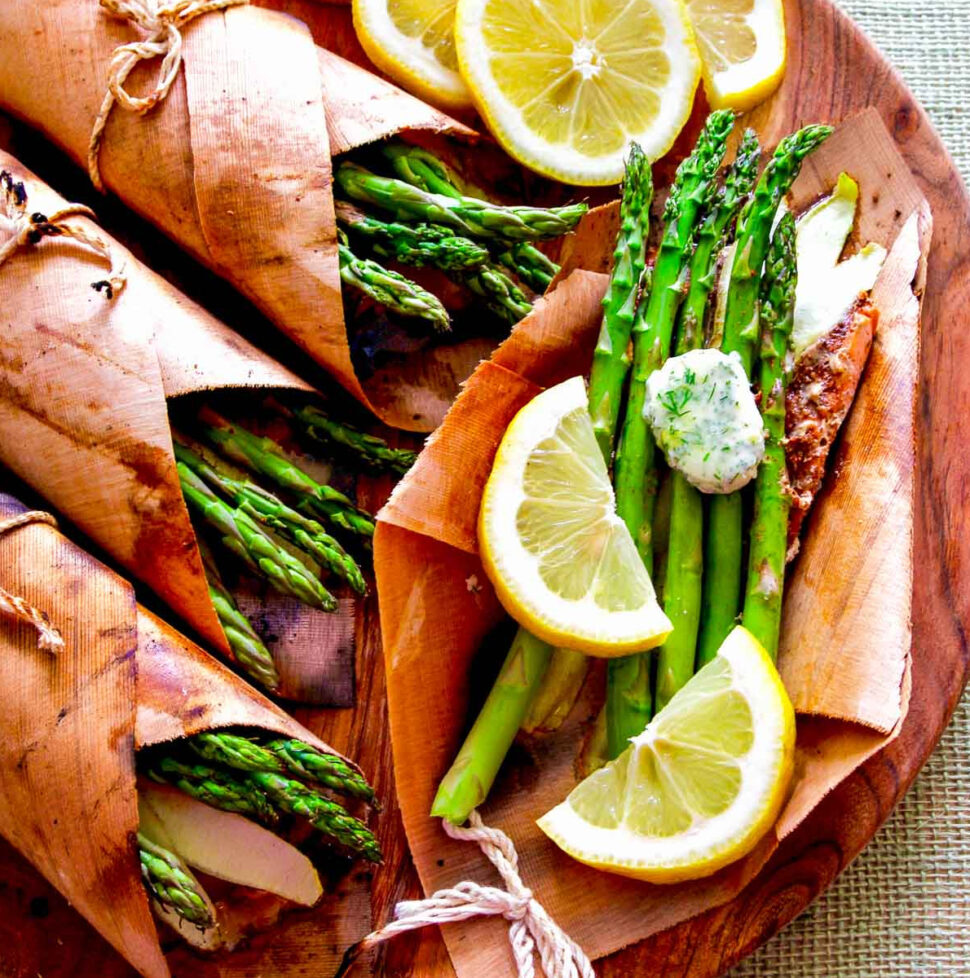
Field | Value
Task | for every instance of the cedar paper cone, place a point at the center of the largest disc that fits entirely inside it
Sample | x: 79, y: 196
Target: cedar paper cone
x: 72, y: 722
x: 234, y: 165
x: 83, y: 419
x: 438, y: 619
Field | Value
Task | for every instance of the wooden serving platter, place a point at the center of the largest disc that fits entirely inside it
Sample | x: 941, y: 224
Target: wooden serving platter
x: 833, y: 73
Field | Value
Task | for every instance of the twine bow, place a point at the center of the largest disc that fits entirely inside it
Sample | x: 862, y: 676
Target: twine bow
x: 29, y: 229
x: 48, y: 638
x: 162, y: 23
x: 531, y: 929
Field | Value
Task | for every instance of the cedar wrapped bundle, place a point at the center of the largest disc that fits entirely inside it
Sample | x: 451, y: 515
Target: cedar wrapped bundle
x: 84, y: 420
x: 233, y: 165
x: 123, y: 682
x: 846, y: 637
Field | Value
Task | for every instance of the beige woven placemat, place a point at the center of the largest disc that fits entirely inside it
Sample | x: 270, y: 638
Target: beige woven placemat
x: 902, y: 910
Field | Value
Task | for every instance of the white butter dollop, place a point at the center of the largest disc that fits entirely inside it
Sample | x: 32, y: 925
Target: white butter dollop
x: 706, y: 420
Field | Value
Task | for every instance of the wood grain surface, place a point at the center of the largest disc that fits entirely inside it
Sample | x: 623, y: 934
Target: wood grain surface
x: 833, y: 72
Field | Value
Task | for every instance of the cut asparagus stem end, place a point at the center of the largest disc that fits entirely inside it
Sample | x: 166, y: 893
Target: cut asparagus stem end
x: 468, y: 782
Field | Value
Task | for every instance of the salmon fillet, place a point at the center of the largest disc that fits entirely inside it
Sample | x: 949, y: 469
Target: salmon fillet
x: 820, y: 393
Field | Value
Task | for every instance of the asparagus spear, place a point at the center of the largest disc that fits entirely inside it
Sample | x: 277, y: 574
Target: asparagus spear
x: 264, y: 457
x: 240, y: 534
x: 653, y: 325
x: 533, y: 267
x: 423, y: 169
x: 220, y: 789
x: 420, y: 245
x: 251, y: 654
x: 372, y: 452
x: 628, y: 683
x: 279, y: 756
x: 502, y: 296
x: 171, y: 883
x: 738, y: 183
x: 472, y: 217
x: 769, y: 529
x: 470, y: 778
x: 322, y: 813
x: 610, y: 358
x: 723, y: 560
x: 685, y: 554
x: 557, y: 693
x: 265, y: 508
x: 391, y: 289
x: 628, y: 698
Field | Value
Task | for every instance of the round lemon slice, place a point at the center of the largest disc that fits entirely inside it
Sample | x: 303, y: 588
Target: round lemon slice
x: 743, y: 49
x: 562, y: 562
x: 414, y: 42
x: 565, y: 86
x: 699, y: 787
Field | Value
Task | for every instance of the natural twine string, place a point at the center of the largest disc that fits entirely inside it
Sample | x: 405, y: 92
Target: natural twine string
x: 531, y: 929
x: 163, y: 23
x: 48, y: 638
x: 29, y: 229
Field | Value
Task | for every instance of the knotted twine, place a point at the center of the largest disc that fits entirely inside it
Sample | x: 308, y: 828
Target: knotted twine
x: 531, y: 929
x: 162, y: 23
x: 29, y: 229
x: 48, y: 638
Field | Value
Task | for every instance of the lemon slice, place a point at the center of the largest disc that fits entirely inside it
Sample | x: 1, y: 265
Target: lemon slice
x: 562, y: 562
x: 414, y: 42
x: 565, y: 86
x: 743, y: 49
x: 699, y: 787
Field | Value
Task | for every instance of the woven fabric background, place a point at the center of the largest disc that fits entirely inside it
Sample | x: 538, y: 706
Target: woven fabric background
x: 902, y: 910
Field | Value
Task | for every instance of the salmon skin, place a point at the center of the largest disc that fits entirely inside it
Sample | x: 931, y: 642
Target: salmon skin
x: 820, y: 393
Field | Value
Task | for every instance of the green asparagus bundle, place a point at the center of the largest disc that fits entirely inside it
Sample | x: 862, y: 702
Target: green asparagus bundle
x: 723, y: 557
x: 281, y: 756
x: 240, y: 534
x: 533, y: 670
x: 629, y: 699
x: 270, y: 511
x: 250, y: 653
x: 171, y: 883
x: 419, y: 245
x: 389, y: 288
x: 322, y: 813
x: 422, y: 169
x: 263, y: 796
x: 373, y: 453
x: 685, y: 552
x: 264, y: 457
x: 769, y: 529
x: 472, y: 217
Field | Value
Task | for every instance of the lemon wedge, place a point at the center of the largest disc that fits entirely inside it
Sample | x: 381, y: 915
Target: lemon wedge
x: 743, y: 49
x: 562, y: 562
x: 699, y: 787
x: 414, y: 42
x: 565, y: 86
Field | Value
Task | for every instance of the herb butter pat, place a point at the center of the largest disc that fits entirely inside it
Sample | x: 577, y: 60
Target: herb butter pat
x: 706, y: 420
